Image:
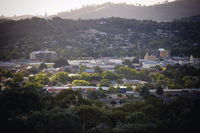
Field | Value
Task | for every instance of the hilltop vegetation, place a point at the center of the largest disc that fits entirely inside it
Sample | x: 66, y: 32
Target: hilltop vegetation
x: 164, y: 11
x: 97, y: 38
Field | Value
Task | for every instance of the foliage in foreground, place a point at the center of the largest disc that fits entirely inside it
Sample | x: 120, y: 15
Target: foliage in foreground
x: 26, y: 111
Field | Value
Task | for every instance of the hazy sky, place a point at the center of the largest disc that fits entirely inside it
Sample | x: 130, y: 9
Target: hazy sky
x: 39, y: 7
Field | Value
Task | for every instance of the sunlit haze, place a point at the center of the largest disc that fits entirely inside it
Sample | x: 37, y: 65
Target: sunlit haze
x: 39, y: 7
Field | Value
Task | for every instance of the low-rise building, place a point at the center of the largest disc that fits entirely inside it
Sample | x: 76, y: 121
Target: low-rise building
x: 149, y: 64
x: 149, y: 57
x: 42, y: 55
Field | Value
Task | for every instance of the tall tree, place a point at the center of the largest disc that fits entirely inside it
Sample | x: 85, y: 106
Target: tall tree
x: 60, y: 63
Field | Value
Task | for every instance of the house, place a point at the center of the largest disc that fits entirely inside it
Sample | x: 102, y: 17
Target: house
x: 130, y: 81
x: 149, y: 64
x: 149, y: 57
x: 89, y: 70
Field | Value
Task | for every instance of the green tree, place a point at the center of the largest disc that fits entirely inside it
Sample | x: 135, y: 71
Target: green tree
x: 67, y: 98
x: 144, y: 90
x: 105, y: 82
x: 42, y: 78
x: 128, y: 63
x: 136, y: 117
x: 42, y: 66
x: 14, y: 105
x: 190, y: 82
x: 110, y: 75
x: 82, y: 68
x: 18, y: 77
x: 95, y: 94
x: 90, y: 116
x: 6, y: 73
x: 98, y: 69
x: 60, y: 77
x: 135, y: 60
x: 159, y: 88
x: 61, y: 62
x: 80, y: 83
x: 128, y: 73
x: 56, y: 120
x: 34, y: 87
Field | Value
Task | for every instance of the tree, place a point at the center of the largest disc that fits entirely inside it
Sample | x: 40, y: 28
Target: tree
x: 110, y: 75
x: 90, y: 116
x: 95, y: 94
x: 34, y: 87
x: 129, y: 88
x: 97, y: 69
x: 128, y: 73
x: 159, y: 91
x: 14, y: 105
x: 42, y: 66
x: 127, y: 62
x: 60, y: 77
x: 86, y: 76
x: 105, y: 82
x: 190, y: 82
x: 33, y: 70
x: 18, y: 77
x: 144, y: 90
x: 82, y: 68
x: 136, y: 117
x: 42, y: 78
x: 111, y: 89
x: 135, y: 60
x: 6, y: 73
x: 67, y: 98
x: 158, y: 68
x: 116, y: 116
x: 159, y: 88
x: 54, y: 121
x: 80, y: 83
x: 61, y: 62
x: 134, y: 128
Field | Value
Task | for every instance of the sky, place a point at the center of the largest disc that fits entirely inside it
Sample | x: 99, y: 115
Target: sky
x: 39, y: 7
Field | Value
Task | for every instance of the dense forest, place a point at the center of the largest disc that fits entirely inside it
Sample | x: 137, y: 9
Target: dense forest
x: 116, y: 37
x: 28, y: 111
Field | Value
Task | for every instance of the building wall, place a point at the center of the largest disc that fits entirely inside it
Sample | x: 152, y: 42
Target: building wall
x: 164, y: 54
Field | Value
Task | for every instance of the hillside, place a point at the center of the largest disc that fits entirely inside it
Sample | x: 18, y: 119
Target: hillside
x: 160, y: 12
x: 167, y: 11
x: 97, y: 38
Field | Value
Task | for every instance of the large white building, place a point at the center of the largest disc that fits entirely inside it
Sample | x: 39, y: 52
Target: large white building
x: 43, y: 55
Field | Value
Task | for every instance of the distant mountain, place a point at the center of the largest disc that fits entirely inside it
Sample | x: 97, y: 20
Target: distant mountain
x: 20, y: 17
x: 160, y: 12
x: 191, y: 19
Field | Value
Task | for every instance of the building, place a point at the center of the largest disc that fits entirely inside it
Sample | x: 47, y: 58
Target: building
x: 58, y: 89
x: 130, y: 81
x: 89, y: 70
x: 149, y: 57
x: 149, y: 64
x: 8, y: 65
x: 191, y: 59
x: 163, y: 53
x: 42, y: 55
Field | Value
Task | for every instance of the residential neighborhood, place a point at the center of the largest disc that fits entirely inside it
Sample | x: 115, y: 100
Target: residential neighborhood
x: 99, y: 66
